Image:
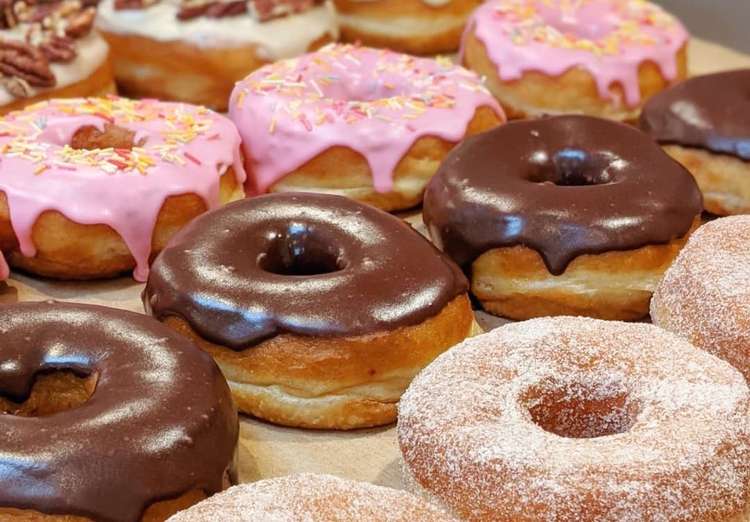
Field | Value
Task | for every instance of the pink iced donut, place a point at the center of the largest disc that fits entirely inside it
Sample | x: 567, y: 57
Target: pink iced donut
x: 370, y: 124
x: 95, y: 187
x: 596, y: 57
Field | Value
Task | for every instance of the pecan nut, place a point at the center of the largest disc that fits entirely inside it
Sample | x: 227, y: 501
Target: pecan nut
x: 264, y: 10
x: 211, y: 9
x: 79, y: 24
x: 59, y: 49
x: 24, y: 61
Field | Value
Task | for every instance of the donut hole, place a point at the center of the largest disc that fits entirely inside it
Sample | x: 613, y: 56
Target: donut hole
x: 112, y: 137
x: 300, y: 251
x: 582, y: 411
x: 579, y: 23
x: 573, y: 167
x: 52, y: 392
x: 364, y: 89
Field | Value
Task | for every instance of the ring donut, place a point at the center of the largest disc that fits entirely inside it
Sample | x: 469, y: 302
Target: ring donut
x: 596, y: 57
x: 704, y: 123
x: 705, y: 294
x: 195, y: 51
x: 569, y: 215
x: 579, y: 419
x: 318, y: 309
x: 91, y: 188
x: 366, y: 123
x: 101, y: 422
x: 312, y: 498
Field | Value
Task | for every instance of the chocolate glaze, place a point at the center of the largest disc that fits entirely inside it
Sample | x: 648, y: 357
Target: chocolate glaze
x: 709, y: 112
x: 563, y: 186
x: 159, y: 423
x: 308, y: 264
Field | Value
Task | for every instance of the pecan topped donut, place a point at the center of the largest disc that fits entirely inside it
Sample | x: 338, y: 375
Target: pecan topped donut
x: 562, y: 191
x: 154, y: 432
x: 328, y: 300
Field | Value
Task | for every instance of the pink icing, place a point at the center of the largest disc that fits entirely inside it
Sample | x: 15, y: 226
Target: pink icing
x: 376, y: 102
x: 608, y: 38
x: 184, y: 149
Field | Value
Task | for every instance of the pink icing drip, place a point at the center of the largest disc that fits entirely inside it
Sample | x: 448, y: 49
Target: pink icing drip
x: 126, y: 200
x: 376, y: 102
x: 515, y: 33
x: 4, y: 269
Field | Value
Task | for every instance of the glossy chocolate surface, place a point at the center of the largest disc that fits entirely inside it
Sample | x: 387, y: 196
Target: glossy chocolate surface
x: 709, y: 112
x: 160, y: 422
x: 307, y: 264
x: 563, y: 186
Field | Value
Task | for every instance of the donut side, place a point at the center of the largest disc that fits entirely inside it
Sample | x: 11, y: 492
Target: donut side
x: 705, y: 295
x: 514, y: 282
x: 334, y: 383
x: 410, y: 26
x: 344, y: 171
x: 182, y: 71
x: 69, y: 250
x: 724, y: 180
x: 99, y: 83
x: 536, y: 94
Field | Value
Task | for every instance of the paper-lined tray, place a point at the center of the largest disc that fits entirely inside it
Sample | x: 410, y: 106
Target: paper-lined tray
x: 266, y: 450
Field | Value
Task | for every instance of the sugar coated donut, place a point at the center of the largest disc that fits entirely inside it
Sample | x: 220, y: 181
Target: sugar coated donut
x: 318, y: 309
x: 107, y: 415
x: 579, y: 419
x: 94, y: 187
x: 409, y: 26
x: 369, y: 124
x: 49, y: 51
x: 705, y: 295
x: 704, y: 123
x: 596, y: 57
x: 195, y: 50
x: 570, y: 215
x: 312, y: 498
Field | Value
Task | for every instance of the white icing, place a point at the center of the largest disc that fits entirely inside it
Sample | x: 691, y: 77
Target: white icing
x: 92, y: 52
x: 280, y: 38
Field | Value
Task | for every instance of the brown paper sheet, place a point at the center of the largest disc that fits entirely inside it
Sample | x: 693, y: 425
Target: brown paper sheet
x: 269, y: 451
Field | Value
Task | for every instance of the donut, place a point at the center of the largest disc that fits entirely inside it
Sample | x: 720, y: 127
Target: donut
x: 195, y: 50
x: 409, y: 26
x: 91, y: 188
x: 369, y: 124
x: 568, y: 215
x: 107, y: 415
x: 705, y: 294
x: 579, y: 419
x: 312, y: 498
x: 704, y: 123
x: 49, y: 51
x: 318, y: 309
x: 595, y: 57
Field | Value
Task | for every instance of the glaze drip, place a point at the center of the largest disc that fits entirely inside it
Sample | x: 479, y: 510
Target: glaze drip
x: 308, y: 264
x: 564, y: 186
x: 160, y: 422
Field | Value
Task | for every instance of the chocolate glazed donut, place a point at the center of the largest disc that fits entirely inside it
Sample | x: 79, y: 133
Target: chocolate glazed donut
x: 155, y: 433
x: 565, y: 215
x: 704, y: 123
x: 318, y: 309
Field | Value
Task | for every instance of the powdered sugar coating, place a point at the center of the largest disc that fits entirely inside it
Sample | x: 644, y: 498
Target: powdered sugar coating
x: 467, y: 434
x: 373, y: 101
x: 311, y: 498
x: 705, y: 295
